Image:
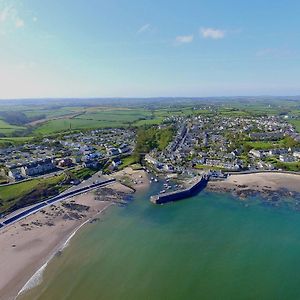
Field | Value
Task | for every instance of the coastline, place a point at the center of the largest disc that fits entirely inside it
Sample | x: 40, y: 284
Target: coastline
x: 268, y: 185
x: 37, y: 277
x: 32, y: 242
x: 27, y: 246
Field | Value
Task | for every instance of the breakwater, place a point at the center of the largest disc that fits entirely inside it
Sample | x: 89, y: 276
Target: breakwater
x: 195, y: 188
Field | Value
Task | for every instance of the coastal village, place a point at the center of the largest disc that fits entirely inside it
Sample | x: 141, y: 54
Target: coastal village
x: 84, y: 150
x: 228, y: 144
x: 219, y: 144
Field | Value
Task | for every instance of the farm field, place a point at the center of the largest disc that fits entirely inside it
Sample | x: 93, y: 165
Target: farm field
x: 296, y: 123
x: 104, y: 118
x: 60, y: 125
x: 52, y: 113
x: 14, y: 140
x: 55, y: 118
x: 6, y: 128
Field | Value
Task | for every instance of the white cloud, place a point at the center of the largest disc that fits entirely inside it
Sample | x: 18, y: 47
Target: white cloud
x: 184, y: 39
x: 9, y: 18
x: 19, y: 23
x: 4, y: 14
x: 144, y: 28
x: 212, y: 33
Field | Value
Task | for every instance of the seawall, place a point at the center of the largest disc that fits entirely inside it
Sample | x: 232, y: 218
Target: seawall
x: 181, y: 194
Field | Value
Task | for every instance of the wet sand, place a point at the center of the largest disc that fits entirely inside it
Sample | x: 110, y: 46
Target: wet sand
x: 26, y: 245
x: 260, y: 182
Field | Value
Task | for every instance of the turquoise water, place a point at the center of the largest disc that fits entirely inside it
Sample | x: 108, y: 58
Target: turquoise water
x: 211, y: 246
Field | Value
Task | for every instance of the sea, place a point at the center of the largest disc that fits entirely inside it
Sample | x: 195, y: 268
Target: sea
x: 211, y: 246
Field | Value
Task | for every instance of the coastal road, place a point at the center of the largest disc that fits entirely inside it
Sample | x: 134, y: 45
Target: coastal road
x: 88, y: 186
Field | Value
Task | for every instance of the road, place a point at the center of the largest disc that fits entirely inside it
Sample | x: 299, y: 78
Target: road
x: 86, y: 187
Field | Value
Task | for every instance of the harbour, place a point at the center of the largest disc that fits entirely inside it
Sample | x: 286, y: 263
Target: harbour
x: 195, y: 187
x: 225, y: 247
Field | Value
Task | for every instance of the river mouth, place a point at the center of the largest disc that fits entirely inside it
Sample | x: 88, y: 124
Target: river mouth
x: 211, y: 246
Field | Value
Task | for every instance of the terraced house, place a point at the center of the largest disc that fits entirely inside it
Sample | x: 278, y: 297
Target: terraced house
x: 38, y: 167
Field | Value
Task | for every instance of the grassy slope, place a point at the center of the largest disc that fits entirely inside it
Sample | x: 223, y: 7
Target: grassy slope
x: 13, y: 194
x: 6, y: 128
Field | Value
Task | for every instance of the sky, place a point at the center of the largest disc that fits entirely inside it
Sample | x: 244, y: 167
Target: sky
x: 149, y: 48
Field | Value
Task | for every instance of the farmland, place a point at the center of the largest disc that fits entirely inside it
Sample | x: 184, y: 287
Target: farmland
x: 93, y: 118
x: 6, y: 128
x: 55, y: 116
x: 296, y: 123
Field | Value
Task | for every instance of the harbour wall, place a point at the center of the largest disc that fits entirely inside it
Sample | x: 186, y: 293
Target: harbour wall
x: 181, y: 194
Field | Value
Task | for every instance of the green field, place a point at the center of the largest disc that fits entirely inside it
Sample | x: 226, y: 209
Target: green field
x: 264, y: 145
x: 296, y: 123
x: 104, y: 118
x: 27, y: 192
x: 82, y: 174
x: 127, y: 161
x: 59, y: 125
x: 6, y: 128
x: 52, y: 113
x: 17, y: 139
x: 83, y: 116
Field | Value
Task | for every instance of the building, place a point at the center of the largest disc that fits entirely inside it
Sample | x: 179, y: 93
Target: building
x: 91, y: 163
x: 256, y: 153
x: 285, y: 158
x: 123, y: 149
x: 66, y: 162
x: 116, y: 162
x: 38, y: 167
x: 296, y: 154
x: 15, y: 173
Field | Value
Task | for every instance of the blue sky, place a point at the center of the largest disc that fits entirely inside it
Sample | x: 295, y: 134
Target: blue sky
x: 138, y: 48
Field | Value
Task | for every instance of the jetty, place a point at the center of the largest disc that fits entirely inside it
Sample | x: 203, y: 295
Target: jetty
x: 196, y: 186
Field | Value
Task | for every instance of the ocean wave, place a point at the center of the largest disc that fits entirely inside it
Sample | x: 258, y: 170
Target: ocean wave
x: 37, y: 277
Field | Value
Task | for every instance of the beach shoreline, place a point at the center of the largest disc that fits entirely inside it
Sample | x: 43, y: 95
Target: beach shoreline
x: 27, y: 246
x: 269, y: 185
x: 37, y: 277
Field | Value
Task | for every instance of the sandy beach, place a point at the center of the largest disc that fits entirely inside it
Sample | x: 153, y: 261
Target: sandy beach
x: 260, y: 182
x: 26, y: 245
x: 137, y: 179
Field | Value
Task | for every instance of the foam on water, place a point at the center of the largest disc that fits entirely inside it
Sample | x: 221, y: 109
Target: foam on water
x: 37, y: 277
